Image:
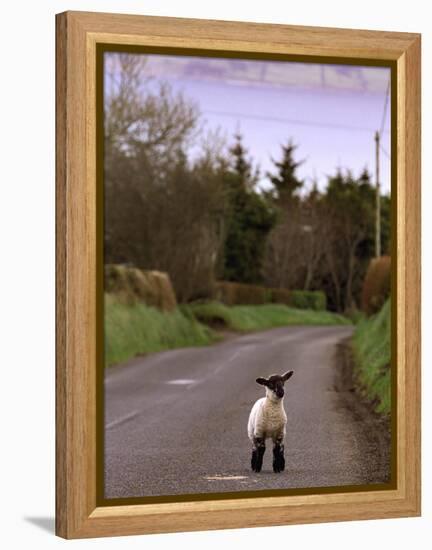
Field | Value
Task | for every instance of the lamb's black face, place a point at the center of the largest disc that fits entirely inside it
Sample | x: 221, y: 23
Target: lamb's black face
x: 275, y: 383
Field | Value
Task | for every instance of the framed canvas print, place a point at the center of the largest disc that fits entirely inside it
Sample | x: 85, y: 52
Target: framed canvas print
x: 238, y: 274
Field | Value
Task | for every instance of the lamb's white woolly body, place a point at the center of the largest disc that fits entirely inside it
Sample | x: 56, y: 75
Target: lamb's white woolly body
x: 267, y: 418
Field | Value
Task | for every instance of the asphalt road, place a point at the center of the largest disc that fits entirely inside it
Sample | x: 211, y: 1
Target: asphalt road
x: 175, y: 422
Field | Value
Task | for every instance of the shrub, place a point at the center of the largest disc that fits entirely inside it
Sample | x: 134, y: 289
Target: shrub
x: 238, y: 294
x: 232, y: 294
x: 376, y: 285
x: 164, y: 292
x: 132, y: 285
x: 309, y: 299
x: 280, y: 296
x: 355, y: 315
x: 116, y: 280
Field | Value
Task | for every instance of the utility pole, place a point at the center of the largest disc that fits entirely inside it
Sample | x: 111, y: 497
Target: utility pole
x: 377, y: 199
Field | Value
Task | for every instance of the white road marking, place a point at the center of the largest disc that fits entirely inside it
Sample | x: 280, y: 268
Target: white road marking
x: 223, y: 365
x: 121, y: 420
x: 224, y: 478
x: 181, y: 381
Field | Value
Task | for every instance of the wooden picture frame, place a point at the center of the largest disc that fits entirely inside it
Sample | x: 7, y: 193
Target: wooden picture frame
x: 78, y: 272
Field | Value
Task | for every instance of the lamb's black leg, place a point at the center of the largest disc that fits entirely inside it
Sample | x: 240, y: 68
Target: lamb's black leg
x: 258, y: 451
x: 278, y: 456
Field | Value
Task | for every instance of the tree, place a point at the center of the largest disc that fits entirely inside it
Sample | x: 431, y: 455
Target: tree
x: 324, y: 240
x: 283, y: 266
x: 162, y: 210
x: 285, y: 180
x: 313, y: 236
x: 349, y: 208
x: 385, y: 203
x: 241, y: 165
x: 250, y: 218
x: 142, y: 117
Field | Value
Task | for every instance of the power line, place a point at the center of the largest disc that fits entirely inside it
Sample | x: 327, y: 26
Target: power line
x: 385, y: 152
x: 290, y: 121
x: 386, y: 101
x: 379, y: 147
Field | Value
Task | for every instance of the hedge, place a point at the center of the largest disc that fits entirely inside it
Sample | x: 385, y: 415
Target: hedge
x: 376, y: 285
x: 235, y: 294
x: 132, y: 285
x: 308, y: 299
x: 241, y: 294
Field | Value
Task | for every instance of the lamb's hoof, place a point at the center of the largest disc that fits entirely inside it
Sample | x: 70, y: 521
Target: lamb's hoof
x: 256, y: 464
x: 278, y: 468
x: 256, y: 468
x: 278, y: 464
x: 257, y: 460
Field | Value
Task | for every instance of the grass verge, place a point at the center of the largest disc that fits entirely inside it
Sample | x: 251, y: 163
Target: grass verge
x: 260, y: 317
x: 372, y: 350
x: 136, y: 329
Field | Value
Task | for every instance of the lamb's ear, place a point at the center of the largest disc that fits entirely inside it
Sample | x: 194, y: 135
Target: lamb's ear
x: 287, y: 375
x: 262, y: 381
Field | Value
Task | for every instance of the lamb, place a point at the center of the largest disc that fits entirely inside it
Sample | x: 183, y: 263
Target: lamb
x: 268, y: 419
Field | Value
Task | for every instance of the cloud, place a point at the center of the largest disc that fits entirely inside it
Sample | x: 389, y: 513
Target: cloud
x: 250, y: 73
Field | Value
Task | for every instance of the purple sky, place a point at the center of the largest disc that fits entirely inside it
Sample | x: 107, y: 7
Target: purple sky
x: 330, y: 111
